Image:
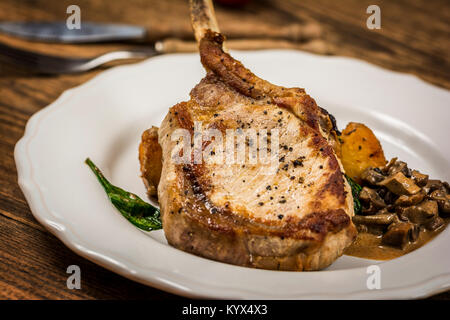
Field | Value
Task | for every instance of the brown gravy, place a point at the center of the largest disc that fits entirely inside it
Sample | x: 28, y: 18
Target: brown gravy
x: 368, y: 245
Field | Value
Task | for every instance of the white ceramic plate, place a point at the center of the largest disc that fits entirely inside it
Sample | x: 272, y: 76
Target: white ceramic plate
x: 104, y: 118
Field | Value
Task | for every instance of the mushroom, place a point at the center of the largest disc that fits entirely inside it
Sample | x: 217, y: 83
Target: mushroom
x: 399, y: 184
x: 442, y: 199
x: 375, y: 224
x: 399, y: 166
x: 419, y: 178
x: 390, y: 197
x: 362, y: 228
x: 421, y: 213
x: 372, y: 176
x: 446, y: 186
x: 435, y: 223
x: 434, y: 185
x: 368, y: 195
x: 371, y: 200
x: 400, y: 234
x: 377, y: 219
x: 389, y: 165
x: 409, y: 200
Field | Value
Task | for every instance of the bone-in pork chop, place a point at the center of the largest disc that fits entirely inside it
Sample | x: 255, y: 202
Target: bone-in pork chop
x: 290, y: 213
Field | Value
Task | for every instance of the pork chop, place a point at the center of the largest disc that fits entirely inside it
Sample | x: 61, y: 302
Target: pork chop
x: 293, y: 213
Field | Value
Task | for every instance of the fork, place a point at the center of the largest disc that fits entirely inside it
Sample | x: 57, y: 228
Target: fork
x: 50, y: 64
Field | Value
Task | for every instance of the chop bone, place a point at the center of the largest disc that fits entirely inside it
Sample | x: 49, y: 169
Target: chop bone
x: 215, y: 59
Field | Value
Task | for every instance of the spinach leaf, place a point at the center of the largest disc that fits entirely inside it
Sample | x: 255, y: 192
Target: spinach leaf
x: 356, y: 189
x: 140, y: 213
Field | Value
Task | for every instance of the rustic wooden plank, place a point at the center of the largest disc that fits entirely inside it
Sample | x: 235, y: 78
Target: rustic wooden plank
x: 33, y: 266
x: 407, y: 42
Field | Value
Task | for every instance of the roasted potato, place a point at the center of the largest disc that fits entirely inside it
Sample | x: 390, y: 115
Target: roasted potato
x: 150, y: 158
x: 360, y: 149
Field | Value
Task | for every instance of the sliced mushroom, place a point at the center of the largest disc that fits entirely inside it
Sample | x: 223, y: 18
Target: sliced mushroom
x: 435, y: 223
x: 389, y: 165
x: 400, y: 234
x: 371, y: 200
x: 368, y: 195
x: 442, y: 199
x: 399, y: 184
x: 372, y: 176
x: 421, y: 213
x: 409, y: 200
x: 375, y: 224
x: 390, y: 197
x: 434, y: 185
x: 419, y: 178
x: 369, y: 209
x: 399, y: 166
x: 446, y: 186
x: 362, y: 228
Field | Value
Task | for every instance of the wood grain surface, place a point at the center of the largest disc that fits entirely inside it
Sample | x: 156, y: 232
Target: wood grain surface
x: 414, y: 38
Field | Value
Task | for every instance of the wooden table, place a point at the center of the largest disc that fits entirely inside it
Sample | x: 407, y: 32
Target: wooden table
x: 414, y: 38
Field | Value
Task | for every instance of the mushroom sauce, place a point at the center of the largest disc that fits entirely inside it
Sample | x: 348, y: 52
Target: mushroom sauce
x: 401, y: 211
x: 369, y: 246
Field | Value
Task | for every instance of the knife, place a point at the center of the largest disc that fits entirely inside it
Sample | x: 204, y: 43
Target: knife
x: 92, y: 32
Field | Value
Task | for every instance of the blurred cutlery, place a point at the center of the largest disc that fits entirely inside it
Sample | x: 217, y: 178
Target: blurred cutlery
x: 93, y: 32
x: 51, y: 64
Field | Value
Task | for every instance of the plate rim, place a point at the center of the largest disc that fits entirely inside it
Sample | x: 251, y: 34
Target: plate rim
x: 40, y: 211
